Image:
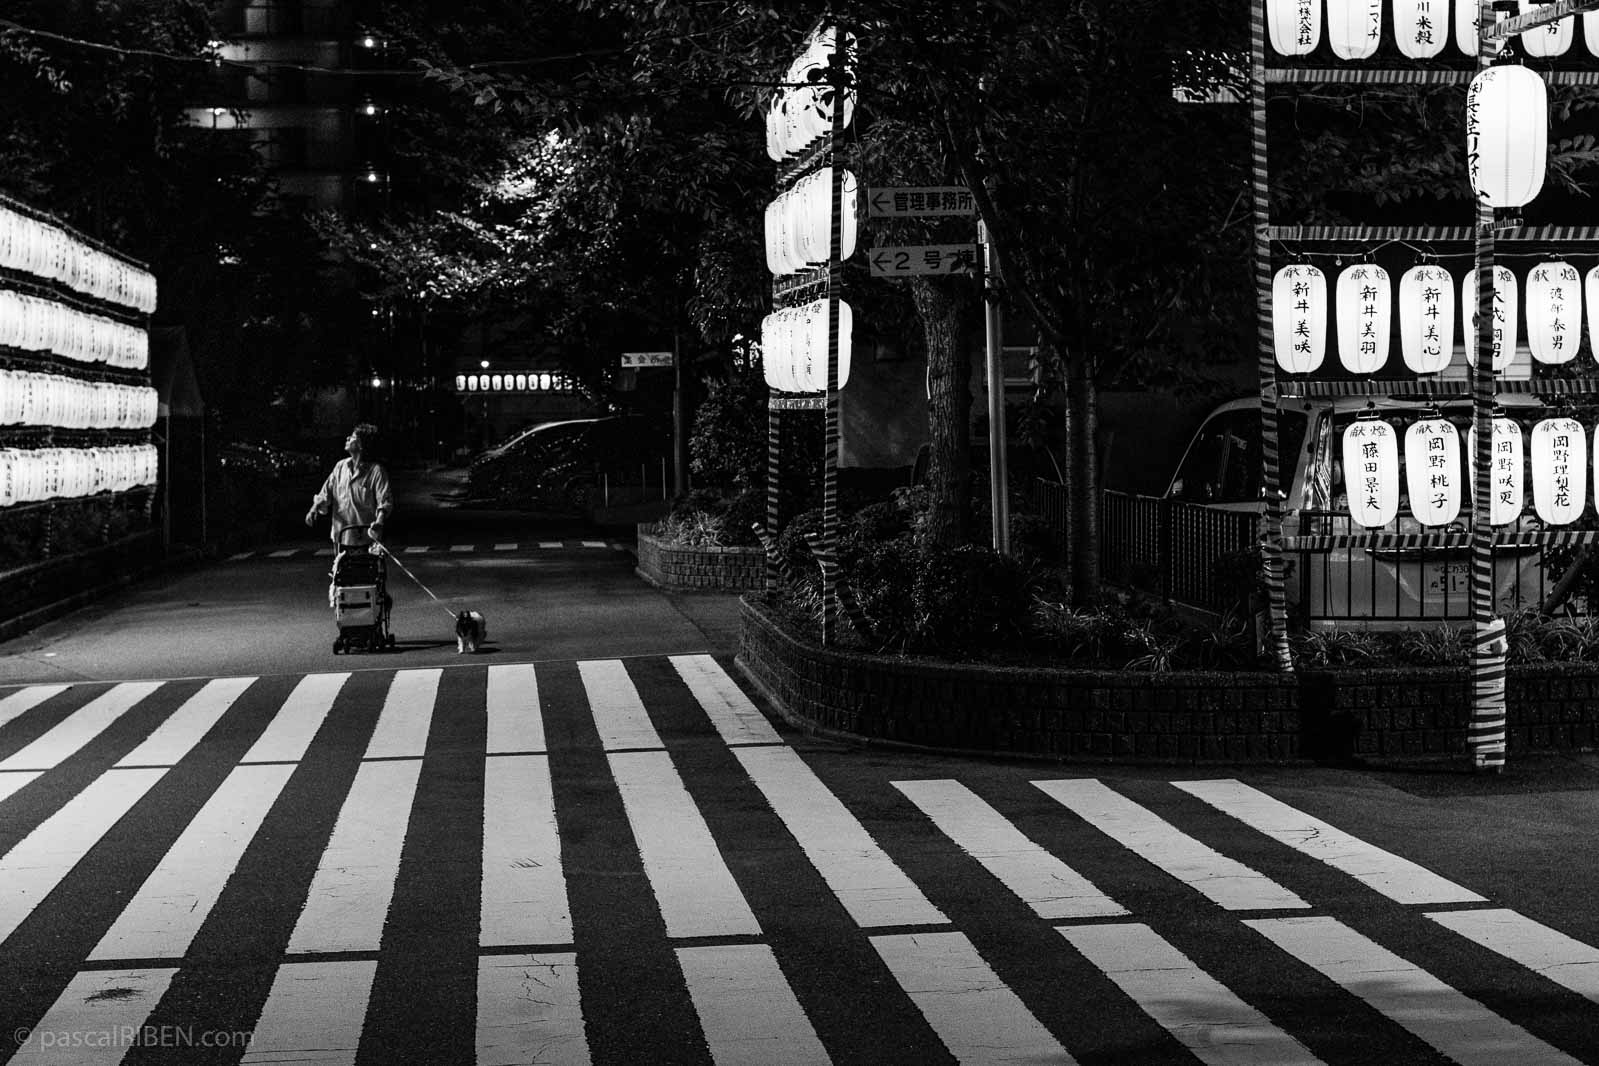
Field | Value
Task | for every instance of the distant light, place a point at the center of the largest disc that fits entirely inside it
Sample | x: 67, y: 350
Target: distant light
x: 369, y: 42
x: 370, y: 109
x: 377, y: 383
x: 372, y: 176
x: 484, y: 364
x: 219, y: 111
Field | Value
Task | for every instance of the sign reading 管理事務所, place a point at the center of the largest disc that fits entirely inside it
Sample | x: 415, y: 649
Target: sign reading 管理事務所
x: 638, y: 359
x: 920, y: 201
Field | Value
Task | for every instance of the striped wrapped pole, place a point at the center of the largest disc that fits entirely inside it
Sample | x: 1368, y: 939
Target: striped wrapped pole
x: 1271, y: 551
x: 836, y: 77
x: 774, y: 473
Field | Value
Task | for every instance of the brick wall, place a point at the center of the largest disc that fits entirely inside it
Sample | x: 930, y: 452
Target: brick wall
x: 673, y: 566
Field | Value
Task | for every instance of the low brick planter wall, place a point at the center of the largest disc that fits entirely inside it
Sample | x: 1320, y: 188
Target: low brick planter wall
x: 1181, y: 716
x: 673, y: 566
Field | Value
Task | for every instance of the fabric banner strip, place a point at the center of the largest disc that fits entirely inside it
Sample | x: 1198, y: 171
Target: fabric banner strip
x: 1570, y: 538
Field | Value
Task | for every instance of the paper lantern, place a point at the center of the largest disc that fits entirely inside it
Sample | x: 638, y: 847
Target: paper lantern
x: 1354, y: 27
x: 1364, y: 305
x: 1294, y: 26
x: 1590, y: 290
x: 1554, y: 312
x: 1432, y: 471
x: 1506, y: 299
x: 1421, y: 27
x: 1507, y: 472
x: 1590, y: 32
x: 1559, y: 470
x: 1299, y: 317
x: 1371, y: 472
x: 1466, y: 34
x: 1548, y: 41
x: 1426, y: 318
x: 10, y: 475
x: 1507, y: 135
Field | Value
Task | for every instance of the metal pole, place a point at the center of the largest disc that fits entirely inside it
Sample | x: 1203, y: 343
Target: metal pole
x: 998, y: 473
x: 679, y: 430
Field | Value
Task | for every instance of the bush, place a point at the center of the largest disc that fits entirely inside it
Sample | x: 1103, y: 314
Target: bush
x: 967, y: 599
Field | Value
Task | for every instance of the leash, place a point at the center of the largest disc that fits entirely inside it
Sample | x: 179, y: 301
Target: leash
x: 383, y: 548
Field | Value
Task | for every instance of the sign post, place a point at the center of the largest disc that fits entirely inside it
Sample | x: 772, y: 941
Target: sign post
x: 906, y: 260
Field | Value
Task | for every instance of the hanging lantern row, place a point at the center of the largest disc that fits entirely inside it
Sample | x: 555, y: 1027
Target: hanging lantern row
x: 31, y: 246
x: 32, y: 399
x: 543, y: 381
x: 1560, y: 465
x: 799, y: 223
x: 1427, y: 300
x: 794, y: 347
x: 39, y: 325
x: 32, y: 475
x: 802, y: 110
x: 1507, y: 135
x: 1421, y: 28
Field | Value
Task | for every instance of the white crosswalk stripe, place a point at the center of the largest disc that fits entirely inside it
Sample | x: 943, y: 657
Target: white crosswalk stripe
x: 69, y: 736
x: 96, y: 1019
x: 746, y: 1008
x: 184, y: 728
x: 24, y: 700
x: 313, y: 1014
x: 529, y: 1009
x: 524, y: 891
x: 1545, y: 951
x: 619, y: 713
x: 516, y: 721
x: 289, y: 734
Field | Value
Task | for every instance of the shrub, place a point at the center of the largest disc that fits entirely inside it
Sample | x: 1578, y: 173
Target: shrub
x: 967, y: 599
x: 693, y: 529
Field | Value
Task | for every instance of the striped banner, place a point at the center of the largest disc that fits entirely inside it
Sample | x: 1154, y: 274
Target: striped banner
x: 1567, y: 538
x: 1435, y: 387
x: 827, y: 559
x: 774, y: 474
x: 1369, y: 76
x: 1457, y: 234
x: 796, y: 401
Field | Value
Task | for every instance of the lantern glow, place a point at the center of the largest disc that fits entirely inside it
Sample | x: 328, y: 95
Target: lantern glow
x: 1371, y: 472
x: 1299, y: 317
x: 1421, y: 27
x: 1294, y: 26
x: 1354, y: 27
x: 1549, y: 41
x: 1426, y: 318
x: 1554, y: 312
x: 1559, y: 470
x: 1432, y: 471
x: 1507, y: 135
x: 1364, y: 308
x: 1508, y: 472
x: 1504, y: 326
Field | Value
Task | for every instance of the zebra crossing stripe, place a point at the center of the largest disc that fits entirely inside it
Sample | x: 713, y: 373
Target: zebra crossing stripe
x: 184, y: 727
x: 416, y: 550
x: 730, y: 711
x: 282, y: 554
x: 1053, y: 889
x: 289, y: 734
x: 1224, y: 881
x: 460, y: 547
x: 516, y: 723
x: 1202, y: 1013
x: 524, y: 898
x: 1547, y: 952
x: 313, y: 1014
x: 747, y: 1010
x: 1398, y: 879
x: 69, y: 735
x: 505, y: 547
x: 695, y: 889
x: 240, y: 557
x: 324, y: 552
x: 978, y: 1018
x: 24, y: 700
x: 96, y: 1019
x: 162, y: 919
x: 354, y: 881
x: 619, y: 714
x: 12, y: 780
x: 593, y: 543
x: 866, y: 881
x: 402, y: 729
x: 1456, y: 1025
x: 32, y: 869
x: 551, y: 544
x: 528, y: 1010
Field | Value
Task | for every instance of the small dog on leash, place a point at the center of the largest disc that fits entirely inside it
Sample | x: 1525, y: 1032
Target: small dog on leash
x: 470, y: 631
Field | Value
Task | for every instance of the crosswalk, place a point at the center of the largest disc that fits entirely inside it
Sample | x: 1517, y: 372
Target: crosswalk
x: 572, y: 862
x: 307, y: 552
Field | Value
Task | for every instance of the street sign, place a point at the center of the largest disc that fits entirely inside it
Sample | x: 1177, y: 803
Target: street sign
x: 920, y: 201
x: 900, y: 261
x: 636, y: 359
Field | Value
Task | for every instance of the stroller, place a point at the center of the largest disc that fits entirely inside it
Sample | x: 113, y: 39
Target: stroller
x: 359, y: 593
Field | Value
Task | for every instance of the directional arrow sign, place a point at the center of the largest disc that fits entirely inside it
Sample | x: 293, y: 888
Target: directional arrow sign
x: 899, y: 261
x: 920, y: 201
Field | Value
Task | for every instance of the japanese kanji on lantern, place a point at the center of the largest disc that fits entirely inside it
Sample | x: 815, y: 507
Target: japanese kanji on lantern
x: 1432, y: 471
x: 1426, y: 318
x: 1421, y: 27
x: 1294, y: 26
x: 1507, y: 473
x: 1364, y: 302
x: 1371, y: 472
x: 1590, y: 297
x: 1507, y: 135
x: 1559, y: 470
x: 1354, y: 27
x: 1547, y: 42
x: 1554, y: 312
x: 1299, y: 317
x: 1507, y: 297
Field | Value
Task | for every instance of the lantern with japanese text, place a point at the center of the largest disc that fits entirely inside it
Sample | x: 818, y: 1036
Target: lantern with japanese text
x: 1590, y: 293
x: 1559, y: 470
x: 1427, y: 318
x: 1506, y: 299
x: 1371, y: 472
x: 1508, y: 472
x: 1432, y: 471
x: 1466, y: 31
x: 1294, y: 26
x: 1554, y: 312
x: 1421, y: 27
x: 1548, y: 41
x: 1507, y: 135
x: 1364, y: 307
x: 1354, y: 27
x: 1299, y: 317
x: 1590, y: 32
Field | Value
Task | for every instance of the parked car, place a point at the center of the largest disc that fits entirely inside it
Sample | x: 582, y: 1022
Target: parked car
x: 560, y: 465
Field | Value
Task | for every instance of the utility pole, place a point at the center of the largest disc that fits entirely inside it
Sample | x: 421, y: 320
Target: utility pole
x: 998, y: 467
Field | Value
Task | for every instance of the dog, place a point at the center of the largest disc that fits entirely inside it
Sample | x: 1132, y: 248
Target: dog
x: 470, y: 631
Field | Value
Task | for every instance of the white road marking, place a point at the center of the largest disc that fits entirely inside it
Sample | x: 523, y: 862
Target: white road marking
x: 1053, y: 889
x: 402, y: 729
x: 13, y: 780
x: 24, y: 700
x: 1226, y: 882
x: 186, y: 726
x: 289, y: 734
x: 43, y: 858
x: 1398, y: 879
x: 69, y: 735
x: 325, y: 552
x: 1549, y: 953
x: 1203, y: 1014
x: 354, y: 882
x: 460, y: 547
x: 162, y: 919
x: 95, y: 1020
x: 524, y: 897
x: 1453, y: 1023
x: 239, y: 557
x: 528, y: 1010
x: 283, y: 554
x: 866, y: 881
x: 618, y: 712
x: 552, y: 544
x: 747, y: 1010
x: 730, y: 711
x: 516, y: 721
x: 978, y: 1018
x: 506, y: 547
x: 314, y: 1014
x: 418, y: 550
x: 695, y: 889
x: 593, y: 544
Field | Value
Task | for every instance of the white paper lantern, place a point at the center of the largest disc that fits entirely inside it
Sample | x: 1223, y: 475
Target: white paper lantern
x: 1294, y: 26
x: 1548, y: 41
x: 1299, y: 317
x: 1364, y: 303
x: 1506, y: 301
x: 1507, y: 135
x: 1427, y: 318
x: 1371, y: 472
x: 1554, y: 312
x: 1432, y: 471
x: 1466, y: 34
x: 1590, y: 32
x: 1559, y: 470
x: 10, y: 475
x: 1354, y: 27
x: 1507, y: 488
x: 1421, y: 27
